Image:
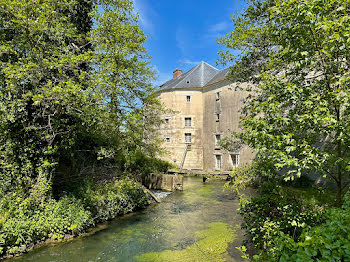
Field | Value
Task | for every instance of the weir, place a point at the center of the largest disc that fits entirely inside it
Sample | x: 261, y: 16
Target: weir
x: 163, y: 182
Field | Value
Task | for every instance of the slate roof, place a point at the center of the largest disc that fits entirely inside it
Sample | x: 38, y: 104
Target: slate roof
x: 220, y: 76
x: 198, y: 77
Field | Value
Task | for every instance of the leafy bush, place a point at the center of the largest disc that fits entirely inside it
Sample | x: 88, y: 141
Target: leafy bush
x: 116, y: 198
x: 329, y: 241
x: 272, y: 213
x: 137, y: 162
x: 25, y: 224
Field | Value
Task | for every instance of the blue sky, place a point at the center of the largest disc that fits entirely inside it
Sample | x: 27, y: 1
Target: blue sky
x: 183, y: 33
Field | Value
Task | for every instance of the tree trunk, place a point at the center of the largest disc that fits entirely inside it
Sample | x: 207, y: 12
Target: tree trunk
x: 339, y: 201
x: 339, y: 176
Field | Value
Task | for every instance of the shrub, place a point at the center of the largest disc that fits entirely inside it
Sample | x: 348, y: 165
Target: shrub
x: 272, y: 213
x: 116, y: 198
x: 329, y: 241
x: 25, y: 224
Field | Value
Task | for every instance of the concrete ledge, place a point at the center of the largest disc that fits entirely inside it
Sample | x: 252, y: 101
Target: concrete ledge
x: 198, y: 172
x: 163, y: 182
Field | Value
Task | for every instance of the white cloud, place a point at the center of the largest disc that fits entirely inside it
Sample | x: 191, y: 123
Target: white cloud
x: 161, y: 77
x: 214, y: 32
x: 181, y: 42
x: 145, y: 12
x: 188, y: 62
x: 219, y: 27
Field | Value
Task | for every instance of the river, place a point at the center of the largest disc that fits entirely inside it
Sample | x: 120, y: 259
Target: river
x: 200, y: 223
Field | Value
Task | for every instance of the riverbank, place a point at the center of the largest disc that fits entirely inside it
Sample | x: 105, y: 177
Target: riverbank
x: 200, y: 223
x: 26, y: 224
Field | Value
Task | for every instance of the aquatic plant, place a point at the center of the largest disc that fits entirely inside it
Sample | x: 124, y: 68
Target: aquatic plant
x: 212, y: 247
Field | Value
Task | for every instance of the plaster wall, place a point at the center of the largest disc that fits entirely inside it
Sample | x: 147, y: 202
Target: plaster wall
x: 211, y: 114
x: 228, y: 106
x: 173, y: 131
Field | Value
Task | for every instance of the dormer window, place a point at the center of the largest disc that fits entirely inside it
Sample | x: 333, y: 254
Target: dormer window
x: 188, y: 99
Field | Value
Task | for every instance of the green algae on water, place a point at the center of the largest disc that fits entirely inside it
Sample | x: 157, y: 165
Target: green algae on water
x: 202, y: 194
x: 212, y: 247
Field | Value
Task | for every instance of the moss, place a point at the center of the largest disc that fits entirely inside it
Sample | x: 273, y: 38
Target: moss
x: 212, y: 247
x: 201, y: 194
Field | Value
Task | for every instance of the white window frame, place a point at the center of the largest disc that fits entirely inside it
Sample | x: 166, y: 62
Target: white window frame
x: 236, y: 158
x: 188, y: 138
x: 218, y: 162
x: 188, y: 121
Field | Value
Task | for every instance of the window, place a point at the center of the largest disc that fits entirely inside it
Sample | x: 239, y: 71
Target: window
x: 167, y: 139
x: 217, y: 96
x: 187, y: 121
x: 218, y: 161
x: 235, y: 160
x: 217, y: 117
x: 166, y: 120
x: 188, y: 99
x: 188, y: 138
x: 217, y: 140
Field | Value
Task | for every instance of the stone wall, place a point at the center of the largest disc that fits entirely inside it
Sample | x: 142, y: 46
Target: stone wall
x: 163, y: 182
x: 173, y: 131
x: 211, y: 115
x: 227, y: 105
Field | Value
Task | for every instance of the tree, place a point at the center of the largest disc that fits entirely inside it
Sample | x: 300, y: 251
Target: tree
x: 296, y: 55
x: 69, y: 91
x: 42, y: 86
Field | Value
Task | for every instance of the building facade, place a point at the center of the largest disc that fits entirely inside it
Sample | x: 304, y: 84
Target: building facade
x: 202, y: 108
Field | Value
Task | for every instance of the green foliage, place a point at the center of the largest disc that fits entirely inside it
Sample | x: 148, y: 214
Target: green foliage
x: 329, y: 241
x: 75, y: 100
x: 137, y: 162
x: 295, y: 54
x: 116, y: 198
x: 276, y: 212
x: 250, y: 175
x: 71, y: 95
x: 25, y: 222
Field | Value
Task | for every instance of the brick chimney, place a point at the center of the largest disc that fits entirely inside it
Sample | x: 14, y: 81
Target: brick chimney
x: 177, y: 73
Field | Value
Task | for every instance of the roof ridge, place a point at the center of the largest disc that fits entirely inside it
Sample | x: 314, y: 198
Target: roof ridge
x: 210, y: 65
x: 189, y: 73
x: 197, y: 77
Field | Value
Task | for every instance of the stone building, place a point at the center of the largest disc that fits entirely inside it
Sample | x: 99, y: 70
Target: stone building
x: 204, y: 108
